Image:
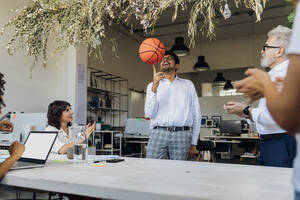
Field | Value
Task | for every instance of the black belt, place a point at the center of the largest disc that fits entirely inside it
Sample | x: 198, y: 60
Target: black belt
x: 174, y: 128
x: 276, y: 136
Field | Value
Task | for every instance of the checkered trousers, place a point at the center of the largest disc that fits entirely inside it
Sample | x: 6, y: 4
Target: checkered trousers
x: 165, y: 144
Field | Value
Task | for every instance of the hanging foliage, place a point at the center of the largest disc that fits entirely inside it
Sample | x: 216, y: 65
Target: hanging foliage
x: 74, y: 22
x: 291, y: 16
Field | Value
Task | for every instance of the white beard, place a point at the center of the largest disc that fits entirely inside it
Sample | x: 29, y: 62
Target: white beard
x: 266, y: 62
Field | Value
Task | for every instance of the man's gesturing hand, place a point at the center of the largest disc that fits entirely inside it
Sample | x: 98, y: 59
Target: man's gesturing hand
x: 156, y: 78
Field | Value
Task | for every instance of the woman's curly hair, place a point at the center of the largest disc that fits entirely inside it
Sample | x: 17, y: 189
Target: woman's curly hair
x: 55, y: 110
x: 2, y: 83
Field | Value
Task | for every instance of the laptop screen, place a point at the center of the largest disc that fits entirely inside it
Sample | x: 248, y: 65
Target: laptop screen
x: 38, y: 145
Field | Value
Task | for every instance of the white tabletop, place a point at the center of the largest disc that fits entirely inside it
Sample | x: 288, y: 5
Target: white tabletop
x: 143, y: 179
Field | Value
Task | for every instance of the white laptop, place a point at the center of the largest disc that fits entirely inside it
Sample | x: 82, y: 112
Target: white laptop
x: 38, y: 146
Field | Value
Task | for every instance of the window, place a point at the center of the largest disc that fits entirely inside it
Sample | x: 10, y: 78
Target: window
x: 232, y: 92
x: 216, y: 89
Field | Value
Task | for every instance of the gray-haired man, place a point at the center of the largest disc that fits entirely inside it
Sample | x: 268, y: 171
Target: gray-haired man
x: 277, y: 147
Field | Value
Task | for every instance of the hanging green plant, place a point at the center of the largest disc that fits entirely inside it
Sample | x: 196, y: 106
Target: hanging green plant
x: 291, y: 18
x: 74, y: 22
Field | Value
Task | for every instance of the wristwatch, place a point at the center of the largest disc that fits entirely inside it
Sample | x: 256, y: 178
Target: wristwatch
x: 246, y: 111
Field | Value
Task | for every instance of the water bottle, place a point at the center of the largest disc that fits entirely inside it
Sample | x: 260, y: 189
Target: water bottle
x: 80, y: 145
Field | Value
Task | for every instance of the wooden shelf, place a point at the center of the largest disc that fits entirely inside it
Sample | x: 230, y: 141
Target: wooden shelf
x: 107, y: 109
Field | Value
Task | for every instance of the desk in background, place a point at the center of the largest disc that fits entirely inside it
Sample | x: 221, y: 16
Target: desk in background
x: 142, y: 140
x: 137, y: 131
x: 235, y: 140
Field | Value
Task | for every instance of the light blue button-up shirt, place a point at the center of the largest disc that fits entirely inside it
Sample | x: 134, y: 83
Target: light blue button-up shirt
x: 174, y: 104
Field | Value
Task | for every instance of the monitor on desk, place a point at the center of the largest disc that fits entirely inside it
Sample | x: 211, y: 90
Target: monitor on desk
x: 137, y: 126
x: 231, y: 127
x: 26, y: 122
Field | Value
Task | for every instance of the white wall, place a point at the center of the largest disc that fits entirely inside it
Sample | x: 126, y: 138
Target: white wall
x: 136, y: 104
x: 32, y: 91
x: 128, y: 65
x: 213, y: 106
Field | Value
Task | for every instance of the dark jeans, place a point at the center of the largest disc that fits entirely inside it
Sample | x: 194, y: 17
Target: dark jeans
x: 278, y: 152
x: 297, y: 195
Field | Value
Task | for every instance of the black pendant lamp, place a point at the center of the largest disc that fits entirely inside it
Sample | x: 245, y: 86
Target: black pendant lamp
x: 228, y: 85
x: 201, y: 65
x: 179, y: 48
x: 219, y: 78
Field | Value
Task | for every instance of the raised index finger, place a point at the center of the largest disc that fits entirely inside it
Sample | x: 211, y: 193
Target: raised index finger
x: 154, y: 69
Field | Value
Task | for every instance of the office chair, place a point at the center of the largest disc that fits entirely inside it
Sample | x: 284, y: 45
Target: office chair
x: 206, y: 151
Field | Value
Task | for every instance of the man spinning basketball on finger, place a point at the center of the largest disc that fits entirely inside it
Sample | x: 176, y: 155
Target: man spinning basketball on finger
x: 173, y: 106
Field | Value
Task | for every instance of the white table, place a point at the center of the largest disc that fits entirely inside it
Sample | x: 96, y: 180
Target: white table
x: 144, y: 179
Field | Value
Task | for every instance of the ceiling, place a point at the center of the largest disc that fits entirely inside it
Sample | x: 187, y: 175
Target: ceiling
x: 235, y: 38
x: 167, y: 27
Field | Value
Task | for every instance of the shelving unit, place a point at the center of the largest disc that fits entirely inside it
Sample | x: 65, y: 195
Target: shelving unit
x: 114, y: 135
x: 111, y: 91
x: 105, y: 85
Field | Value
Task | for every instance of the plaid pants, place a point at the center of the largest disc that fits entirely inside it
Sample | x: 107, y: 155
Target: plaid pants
x: 165, y: 144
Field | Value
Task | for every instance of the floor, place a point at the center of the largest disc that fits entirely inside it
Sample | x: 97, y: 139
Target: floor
x: 10, y: 193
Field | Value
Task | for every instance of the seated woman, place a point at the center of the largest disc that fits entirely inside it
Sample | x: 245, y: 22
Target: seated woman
x: 60, y: 118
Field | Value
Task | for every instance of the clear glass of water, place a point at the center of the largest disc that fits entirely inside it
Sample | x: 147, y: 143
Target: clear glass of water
x: 80, y: 151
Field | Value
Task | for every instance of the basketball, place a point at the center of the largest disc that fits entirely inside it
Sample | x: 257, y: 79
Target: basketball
x: 152, y: 51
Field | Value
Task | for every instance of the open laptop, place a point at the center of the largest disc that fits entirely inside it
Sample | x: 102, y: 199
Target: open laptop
x: 38, y: 146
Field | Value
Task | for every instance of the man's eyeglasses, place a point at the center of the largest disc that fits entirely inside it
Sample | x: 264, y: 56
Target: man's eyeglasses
x: 168, y: 58
x: 267, y: 46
